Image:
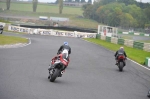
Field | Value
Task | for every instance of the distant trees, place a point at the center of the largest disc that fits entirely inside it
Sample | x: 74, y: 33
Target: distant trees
x: 69, y: 0
x: 35, y: 2
x: 82, y: 1
x: 124, y: 13
x: 89, y: 1
x: 60, y: 6
x: 8, y: 4
x: 77, y: 0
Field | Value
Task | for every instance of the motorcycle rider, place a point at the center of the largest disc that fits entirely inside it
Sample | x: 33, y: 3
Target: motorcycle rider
x: 64, y: 49
x: 120, y: 51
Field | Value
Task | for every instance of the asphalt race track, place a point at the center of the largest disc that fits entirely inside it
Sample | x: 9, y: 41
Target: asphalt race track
x: 91, y: 73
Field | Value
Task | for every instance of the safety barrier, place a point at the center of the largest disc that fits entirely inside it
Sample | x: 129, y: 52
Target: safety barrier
x: 114, y: 40
x: 132, y: 33
x: 52, y: 32
x: 146, y: 47
x: 121, y: 41
x: 147, y: 61
x: 138, y: 45
x: 129, y: 43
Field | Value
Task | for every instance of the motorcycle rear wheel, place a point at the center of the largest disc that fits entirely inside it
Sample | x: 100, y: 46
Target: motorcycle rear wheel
x: 120, y: 65
x: 148, y: 95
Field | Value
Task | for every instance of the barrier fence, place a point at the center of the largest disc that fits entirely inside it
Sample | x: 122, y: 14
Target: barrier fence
x: 51, y: 32
x: 129, y: 43
x: 132, y: 33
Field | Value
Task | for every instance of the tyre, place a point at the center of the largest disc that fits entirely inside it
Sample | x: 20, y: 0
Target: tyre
x: 120, y: 66
x: 55, y: 75
x: 1, y: 31
x: 148, y: 95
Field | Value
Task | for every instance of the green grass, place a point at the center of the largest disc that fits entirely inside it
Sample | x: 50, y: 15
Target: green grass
x: 4, y: 21
x: 73, y: 19
x: 132, y: 53
x: 7, y: 40
x: 49, y: 10
x: 46, y: 8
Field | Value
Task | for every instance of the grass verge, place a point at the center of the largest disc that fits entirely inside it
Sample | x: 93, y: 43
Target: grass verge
x: 145, y: 41
x: 132, y: 53
x: 8, y: 40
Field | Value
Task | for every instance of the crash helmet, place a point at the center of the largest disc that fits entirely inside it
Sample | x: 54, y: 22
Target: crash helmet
x: 65, y: 43
x: 121, y: 48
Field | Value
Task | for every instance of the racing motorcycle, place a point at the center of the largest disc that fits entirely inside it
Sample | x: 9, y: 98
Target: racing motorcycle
x: 148, y: 95
x: 1, y: 29
x: 58, y: 63
x: 121, y: 61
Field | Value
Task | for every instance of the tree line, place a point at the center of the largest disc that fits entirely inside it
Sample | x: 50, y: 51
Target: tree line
x: 79, y: 1
x: 35, y: 4
x: 119, y: 13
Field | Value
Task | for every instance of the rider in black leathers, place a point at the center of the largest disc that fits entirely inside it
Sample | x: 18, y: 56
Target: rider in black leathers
x: 121, y: 50
x: 64, y: 46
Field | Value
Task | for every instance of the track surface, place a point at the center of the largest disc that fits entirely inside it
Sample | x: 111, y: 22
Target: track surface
x: 91, y: 73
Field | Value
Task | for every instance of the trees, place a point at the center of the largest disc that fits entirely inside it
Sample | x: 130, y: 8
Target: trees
x: 77, y: 0
x: 124, y: 13
x: 89, y: 1
x: 127, y: 20
x: 88, y: 11
x: 127, y: 2
x: 60, y: 6
x: 69, y: 0
x: 34, y: 2
x: 8, y: 4
x: 82, y: 1
x: 147, y: 12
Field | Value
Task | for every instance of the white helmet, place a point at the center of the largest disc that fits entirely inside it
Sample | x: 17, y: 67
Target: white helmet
x: 122, y: 48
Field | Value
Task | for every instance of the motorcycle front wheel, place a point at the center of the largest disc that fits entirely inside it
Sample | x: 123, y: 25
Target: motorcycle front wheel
x: 54, y: 75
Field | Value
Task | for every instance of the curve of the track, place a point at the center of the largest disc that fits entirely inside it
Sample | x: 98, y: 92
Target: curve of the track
x: 137, y: 37
x: 91, y: 73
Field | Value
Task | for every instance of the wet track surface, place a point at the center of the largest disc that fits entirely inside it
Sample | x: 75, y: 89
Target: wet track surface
x: 91, y: 73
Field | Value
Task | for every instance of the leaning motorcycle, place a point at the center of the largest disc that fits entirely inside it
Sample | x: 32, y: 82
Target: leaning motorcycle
x: 121, y: 62
x: 59, y: 66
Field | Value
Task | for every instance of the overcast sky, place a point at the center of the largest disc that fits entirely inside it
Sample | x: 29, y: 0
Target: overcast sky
x: 87, y: 0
